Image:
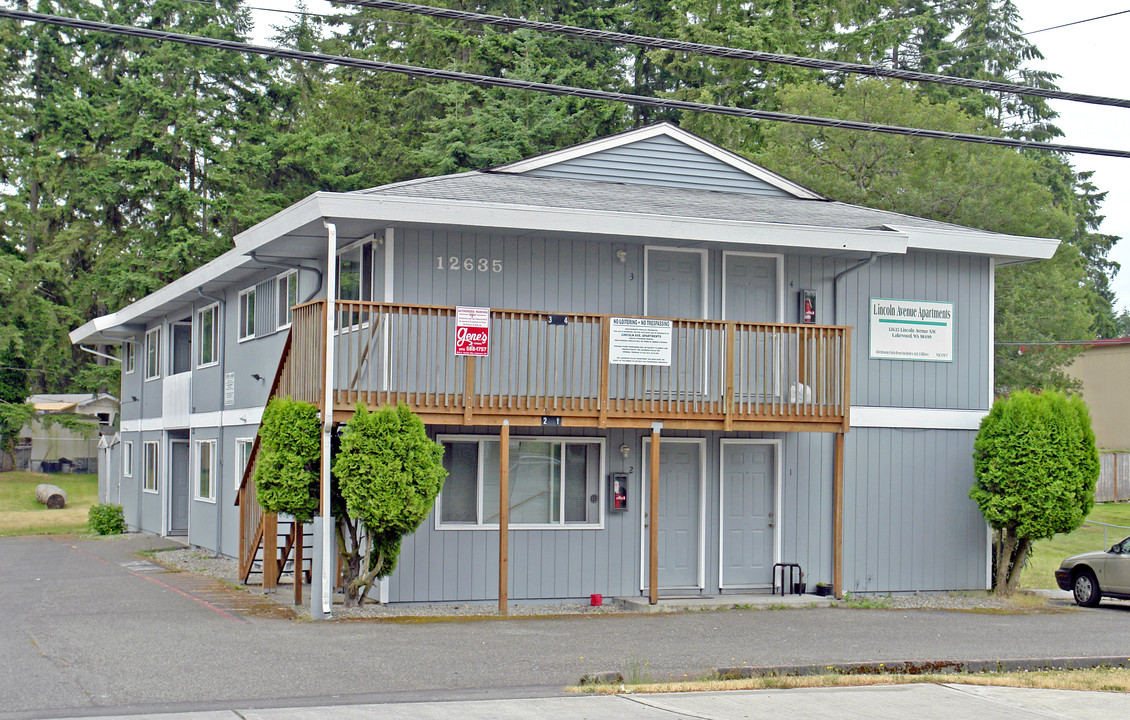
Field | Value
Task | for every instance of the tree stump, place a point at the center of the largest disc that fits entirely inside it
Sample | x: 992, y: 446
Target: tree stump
x: 51, y: 496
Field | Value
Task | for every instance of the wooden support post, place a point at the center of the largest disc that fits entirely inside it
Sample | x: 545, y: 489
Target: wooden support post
x: 653, y: 519
x: 270, y: 551
x: 838, y: 517
x: 503, y: 516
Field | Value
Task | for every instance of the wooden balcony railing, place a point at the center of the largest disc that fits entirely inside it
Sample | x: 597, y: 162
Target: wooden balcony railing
x: 545, y: 368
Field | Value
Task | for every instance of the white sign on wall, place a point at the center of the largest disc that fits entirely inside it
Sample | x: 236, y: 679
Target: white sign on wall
x: 229, y: 389
x: 911, y: 330
x: 639, y: 341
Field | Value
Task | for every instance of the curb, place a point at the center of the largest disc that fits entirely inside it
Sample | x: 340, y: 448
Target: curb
x: 920, y: 667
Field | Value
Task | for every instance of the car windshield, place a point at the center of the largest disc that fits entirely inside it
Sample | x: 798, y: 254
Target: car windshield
x: 1123, y: 547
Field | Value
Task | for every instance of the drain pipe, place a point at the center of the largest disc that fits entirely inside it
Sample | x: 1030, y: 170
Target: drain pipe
x: 327, y: 422
x: 836, y: 283
x: 222, y: 350
x: 294, y: 266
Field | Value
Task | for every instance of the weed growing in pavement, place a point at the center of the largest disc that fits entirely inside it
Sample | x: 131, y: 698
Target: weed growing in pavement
x: 636, y: 671
x: 864, y: 603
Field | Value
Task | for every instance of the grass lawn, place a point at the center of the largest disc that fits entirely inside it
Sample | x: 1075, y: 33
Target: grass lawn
x: 21, y: 514
x: 1048, y: 554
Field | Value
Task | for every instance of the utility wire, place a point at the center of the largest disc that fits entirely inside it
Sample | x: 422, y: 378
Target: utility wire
x: 734, y: 53
x: 565, y: 90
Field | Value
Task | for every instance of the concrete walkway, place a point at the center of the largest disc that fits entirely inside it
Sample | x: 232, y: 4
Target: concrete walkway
x: 897, y: 702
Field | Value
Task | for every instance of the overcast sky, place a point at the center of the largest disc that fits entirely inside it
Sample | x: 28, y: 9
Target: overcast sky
x: 1087, y: 57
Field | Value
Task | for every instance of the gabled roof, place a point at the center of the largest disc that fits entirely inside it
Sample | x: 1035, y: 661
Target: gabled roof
x: 661, y: 155
x: 658, y: 183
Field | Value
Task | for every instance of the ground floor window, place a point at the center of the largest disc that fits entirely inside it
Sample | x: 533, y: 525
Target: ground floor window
x: 554, y: 482
x: 205, y: 470
x: 242, y: 457
x: 151, y: 466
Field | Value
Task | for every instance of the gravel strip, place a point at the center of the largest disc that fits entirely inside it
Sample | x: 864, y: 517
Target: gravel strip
x: 226, y: 569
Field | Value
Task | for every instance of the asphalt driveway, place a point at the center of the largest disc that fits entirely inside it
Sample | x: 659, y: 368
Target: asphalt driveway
x: 87, y: 627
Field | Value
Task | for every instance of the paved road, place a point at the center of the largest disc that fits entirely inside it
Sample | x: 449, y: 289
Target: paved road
x: 84, y: 630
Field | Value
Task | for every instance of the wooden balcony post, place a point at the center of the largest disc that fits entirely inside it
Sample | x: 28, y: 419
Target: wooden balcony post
x: 503, y: 516
x: 846, y: 372
x: 653, y: 519
x: 838, y: 517
x: 603, y: 400
x: 731, y: 371
x: 468, y: 389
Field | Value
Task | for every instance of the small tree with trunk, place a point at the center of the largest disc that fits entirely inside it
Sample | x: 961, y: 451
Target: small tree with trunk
x: 388, y: 474
x: 1036, y: 464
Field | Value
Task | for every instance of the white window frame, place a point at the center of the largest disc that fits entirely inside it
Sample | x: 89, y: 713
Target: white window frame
x: 240, y: 467
x: 129, y: 356
x: 155, y: 447
x: 597, y: 524
x: 153, y: 344
x: 282, y: 296
x: 198, y: 468
x: 244, y: 332
x: 214, y: 309
x: 127, y: 458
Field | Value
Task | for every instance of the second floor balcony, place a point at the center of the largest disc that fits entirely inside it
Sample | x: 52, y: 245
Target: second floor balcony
x: 559, y: 369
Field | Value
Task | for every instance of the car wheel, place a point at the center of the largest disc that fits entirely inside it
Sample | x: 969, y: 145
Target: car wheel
x: 1086, y: 589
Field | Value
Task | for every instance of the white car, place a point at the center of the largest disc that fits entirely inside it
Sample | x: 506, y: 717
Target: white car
x: 1095, y: 575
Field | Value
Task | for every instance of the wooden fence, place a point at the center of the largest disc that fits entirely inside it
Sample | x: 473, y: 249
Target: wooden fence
x: 1114, y: 477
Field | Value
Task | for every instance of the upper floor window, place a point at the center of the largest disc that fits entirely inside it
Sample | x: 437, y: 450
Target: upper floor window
x: 153, y: 354
x: 355, y: 272
x: 554, y: 482
x: 208, y: 336
x: 247, y: 314
x: 129, y: 356
x: 287, y: 296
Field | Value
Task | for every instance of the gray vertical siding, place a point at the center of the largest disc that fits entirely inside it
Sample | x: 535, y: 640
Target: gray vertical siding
x: 659, y: 161
x: 909, y: 522
x: 441, y: 565
x: 960, y: 279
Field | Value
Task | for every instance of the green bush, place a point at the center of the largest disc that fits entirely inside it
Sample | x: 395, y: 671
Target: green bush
x: 286, y: 474
x: 1036, y: 464
x: 106, y: 519
x: 388, y: 473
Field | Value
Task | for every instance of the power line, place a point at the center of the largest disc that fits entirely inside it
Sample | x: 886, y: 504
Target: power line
x: 1030, y: 32
x: 565, y: 90
x: 735, y: 53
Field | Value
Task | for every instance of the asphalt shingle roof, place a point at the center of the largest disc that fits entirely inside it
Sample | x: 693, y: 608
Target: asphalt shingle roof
x: 525, y: 190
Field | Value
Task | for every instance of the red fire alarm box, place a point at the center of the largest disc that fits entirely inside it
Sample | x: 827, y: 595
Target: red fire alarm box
x: 618, y: 492
x: 808, y: 307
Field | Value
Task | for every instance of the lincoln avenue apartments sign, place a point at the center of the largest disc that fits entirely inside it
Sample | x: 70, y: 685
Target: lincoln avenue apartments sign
x: 911, y: 330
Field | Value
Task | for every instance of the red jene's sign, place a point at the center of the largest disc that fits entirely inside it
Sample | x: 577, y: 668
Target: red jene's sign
x: 472, y: 331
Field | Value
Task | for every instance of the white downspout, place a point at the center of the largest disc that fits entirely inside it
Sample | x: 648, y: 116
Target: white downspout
x: 327, y: 418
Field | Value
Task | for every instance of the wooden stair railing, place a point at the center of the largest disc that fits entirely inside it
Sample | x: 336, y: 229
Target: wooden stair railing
x: 296, y: 376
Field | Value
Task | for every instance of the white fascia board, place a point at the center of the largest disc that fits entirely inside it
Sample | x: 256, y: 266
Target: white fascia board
x: 151, y: 302
x: 1014, y: 247
x: 285, y: 221
x: 620, y: 224
x: 718, y: 153
x: 916, y: 418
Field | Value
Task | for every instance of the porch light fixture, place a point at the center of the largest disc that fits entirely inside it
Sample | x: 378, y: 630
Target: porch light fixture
x: 624, y: 449
x: 622, y: 255
x: 257, y: 376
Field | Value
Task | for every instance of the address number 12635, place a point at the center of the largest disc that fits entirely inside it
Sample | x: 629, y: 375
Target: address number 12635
x: 469, y: 264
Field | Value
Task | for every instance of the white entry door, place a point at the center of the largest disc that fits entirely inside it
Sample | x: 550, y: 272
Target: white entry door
x: 680, y: 514
x: 750, y: 517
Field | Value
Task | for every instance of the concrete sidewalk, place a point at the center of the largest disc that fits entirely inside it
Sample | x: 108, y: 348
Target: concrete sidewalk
x: 897, y: 702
